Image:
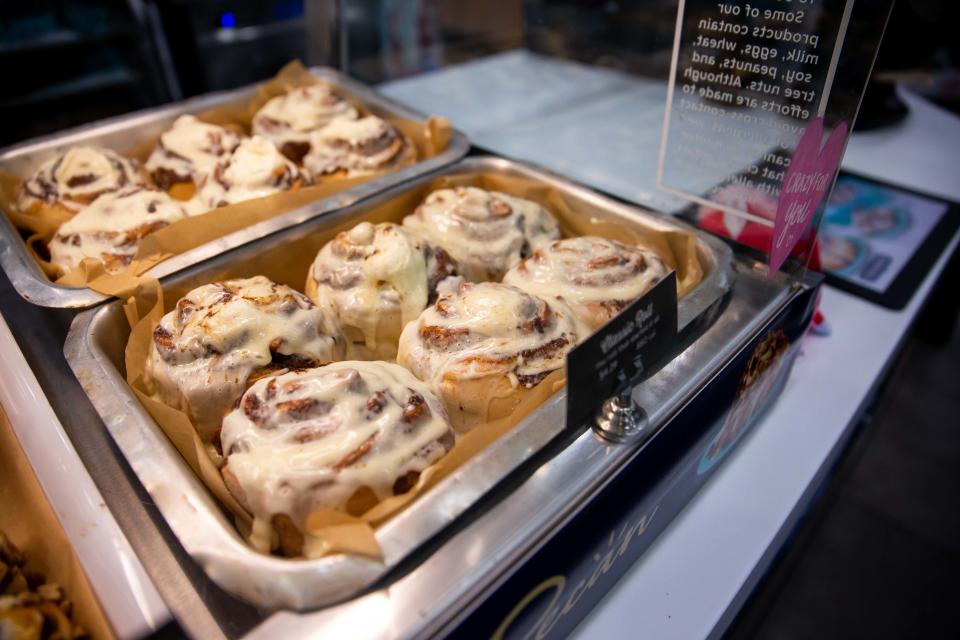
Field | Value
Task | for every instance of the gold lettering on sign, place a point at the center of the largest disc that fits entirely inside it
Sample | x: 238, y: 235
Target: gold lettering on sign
x: 602, y: 564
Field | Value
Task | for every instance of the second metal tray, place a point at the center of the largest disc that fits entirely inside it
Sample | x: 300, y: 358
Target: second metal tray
x: 95, y: 352
x: 126, y: 131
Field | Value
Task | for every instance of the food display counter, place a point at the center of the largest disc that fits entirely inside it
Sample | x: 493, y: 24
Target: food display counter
x: 619, y: 455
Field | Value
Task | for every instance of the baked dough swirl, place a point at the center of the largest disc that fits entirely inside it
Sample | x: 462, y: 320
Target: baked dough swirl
x: 255, y: 169
x: 325, y: 438
x: 77, y: 177
x: 355, y: 147
x: 288, y: 120
x: 484, y: 346
x: 486, y: 232
x: 222, y: 336
x: 188, y: 150
x: 377, y: 278
x: 111, y: 228
x: 596, y: 277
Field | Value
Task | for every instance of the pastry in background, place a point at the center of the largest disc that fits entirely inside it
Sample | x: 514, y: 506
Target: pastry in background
x: 288, y: 120
x: 255, y: 169
x: 30, y: 607
x: 221, y: 337
x: 186, y: 151
x: 111, y: 228
x: 377, y: 278
x: 596, y: 277
x: 74, y: 179
x: 485, y: 346
x: 486, y: 232
x: 343, y: 436
x: 355, y: 147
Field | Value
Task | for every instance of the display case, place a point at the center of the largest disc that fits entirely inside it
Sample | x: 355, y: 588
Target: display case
x: 706, y: 133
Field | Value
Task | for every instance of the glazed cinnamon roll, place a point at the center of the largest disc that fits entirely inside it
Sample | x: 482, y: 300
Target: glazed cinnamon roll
x: 222, y: 336
x: 288, y: 120
x: 596, y: 277
x: 189, y: 149
x: 486, y: 232
x: 355, y: 147
x: 255, y: 169
x: 377, y: 278
x: 111, y: 228
x: 484, y: 346
x: 343, y: 436
x: 77, y: 177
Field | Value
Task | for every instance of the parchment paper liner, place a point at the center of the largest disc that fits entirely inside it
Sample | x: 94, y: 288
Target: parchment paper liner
x: 427, y: 138
x: 340, y: 532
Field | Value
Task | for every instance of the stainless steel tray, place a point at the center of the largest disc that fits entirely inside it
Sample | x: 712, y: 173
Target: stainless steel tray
x: 95, y: 349
x: 125, y: 131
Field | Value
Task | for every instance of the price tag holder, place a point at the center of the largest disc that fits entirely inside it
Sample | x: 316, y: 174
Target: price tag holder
x: 622, y: 352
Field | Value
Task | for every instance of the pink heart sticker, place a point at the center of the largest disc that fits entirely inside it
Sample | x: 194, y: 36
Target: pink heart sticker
x: 807, y: 181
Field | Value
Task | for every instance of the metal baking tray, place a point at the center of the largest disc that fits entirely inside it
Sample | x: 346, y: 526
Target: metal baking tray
x: 95, y: 351
x: 126, y: 131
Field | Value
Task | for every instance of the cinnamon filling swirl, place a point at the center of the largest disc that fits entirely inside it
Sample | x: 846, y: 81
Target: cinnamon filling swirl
x: 487, y: 232
x: 79, y: 176
x: 595, y: 276
x: 110, y: 229
x: 315, y: 438
x: 221, y: 336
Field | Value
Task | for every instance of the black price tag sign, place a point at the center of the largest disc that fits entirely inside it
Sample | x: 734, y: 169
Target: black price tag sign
x: 621, y: 352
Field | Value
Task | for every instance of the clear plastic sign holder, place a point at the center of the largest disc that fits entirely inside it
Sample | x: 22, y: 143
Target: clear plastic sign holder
x: 762, y: 96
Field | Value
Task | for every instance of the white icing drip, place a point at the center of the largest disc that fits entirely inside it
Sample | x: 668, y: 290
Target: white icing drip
x: 490, y: 327
x: 109, y: 171
x: 221, y: 333
x: 291, y: 117
x: 388, y: 274
x: 588, y: 270
x: 302, y: 441
x: 255, y: 169
x: 101, y: 229
x: 487, y: 232
x: 335, y: 147
x: 192, y: 147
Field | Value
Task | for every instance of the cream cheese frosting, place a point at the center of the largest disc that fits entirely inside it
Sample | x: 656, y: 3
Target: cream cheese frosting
x: 374, y: 274
x: 595, y: 276
x: 205, y: 350
x: 290, y: 118
x: 78, y: 176
x: 255, y: 169
x: 111, y: 228
x: 486, y: 232
x: 309, y: 439
x: 356, y: 146
x: 488, y: 329
x: 189, y: 149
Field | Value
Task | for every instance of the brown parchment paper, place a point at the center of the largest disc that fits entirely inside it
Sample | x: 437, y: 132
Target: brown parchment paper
x: 425, y: 139
x: 28, y: 519
x: 290, y: 263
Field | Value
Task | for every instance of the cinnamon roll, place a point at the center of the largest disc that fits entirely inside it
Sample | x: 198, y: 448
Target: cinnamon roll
x: 596, y: 277
x: 222, y: 336
x: 77, y: 177
x: 486, y: 232
x: 111, y: 228
x: 484, y: 346
x: 255, y: 169
x: 355, y: 147
x: 288, y: 120
x: 343, y: 436
x: 377, y: 278
x: 189, y: 149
